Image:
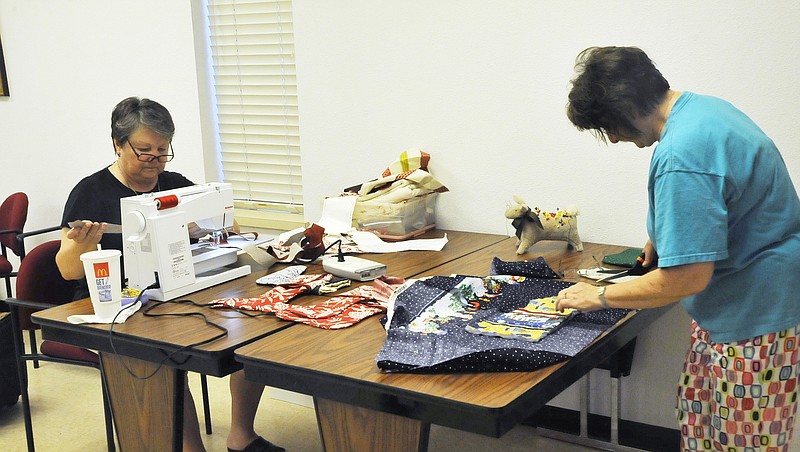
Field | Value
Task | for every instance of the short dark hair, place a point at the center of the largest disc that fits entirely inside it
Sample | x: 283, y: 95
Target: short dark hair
x: 133, y: 112
x: 613, y: 86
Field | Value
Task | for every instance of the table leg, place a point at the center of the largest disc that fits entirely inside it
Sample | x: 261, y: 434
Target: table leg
x: 584, y: 405
x: 148, y: 412
x: 346, y: 427
x: 615, y: 404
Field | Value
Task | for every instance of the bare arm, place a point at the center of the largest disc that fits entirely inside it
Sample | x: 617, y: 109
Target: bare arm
x: 74, y: 242
x: 659, y: 287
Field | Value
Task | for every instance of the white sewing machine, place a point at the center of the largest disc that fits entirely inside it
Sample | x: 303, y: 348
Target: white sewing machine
x: 155, y: 240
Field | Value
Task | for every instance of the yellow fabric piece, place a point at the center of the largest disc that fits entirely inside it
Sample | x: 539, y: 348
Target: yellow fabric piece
x: 531, y: 323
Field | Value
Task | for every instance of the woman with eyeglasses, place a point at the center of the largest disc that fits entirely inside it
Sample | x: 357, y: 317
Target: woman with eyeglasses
x: 141, y: 132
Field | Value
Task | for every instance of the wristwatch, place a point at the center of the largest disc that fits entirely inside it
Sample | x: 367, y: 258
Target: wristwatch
x: 601, y: 294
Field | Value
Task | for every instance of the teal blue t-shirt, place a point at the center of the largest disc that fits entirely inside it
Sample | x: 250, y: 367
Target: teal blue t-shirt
x: 719, y: 191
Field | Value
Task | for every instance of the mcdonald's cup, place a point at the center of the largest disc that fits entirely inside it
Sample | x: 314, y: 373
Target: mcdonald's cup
x: 104, y: 278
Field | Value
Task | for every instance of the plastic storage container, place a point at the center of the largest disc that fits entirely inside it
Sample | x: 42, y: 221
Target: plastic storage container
x: 396, y: 221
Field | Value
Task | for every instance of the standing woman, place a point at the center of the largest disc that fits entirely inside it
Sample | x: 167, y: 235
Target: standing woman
x: 141, y: 132
x: 724, y: 223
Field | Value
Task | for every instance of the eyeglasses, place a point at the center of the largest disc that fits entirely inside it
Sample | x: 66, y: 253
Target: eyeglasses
x: 150, y: 157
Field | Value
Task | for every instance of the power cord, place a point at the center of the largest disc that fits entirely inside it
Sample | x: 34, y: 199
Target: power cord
x: 168, y: 356
x: 340, y: 256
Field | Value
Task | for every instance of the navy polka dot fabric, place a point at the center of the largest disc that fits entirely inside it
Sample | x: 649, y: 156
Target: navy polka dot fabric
x: 427, y: 331
x: 536, y: 268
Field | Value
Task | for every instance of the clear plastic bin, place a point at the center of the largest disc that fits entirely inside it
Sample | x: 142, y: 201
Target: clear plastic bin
x: 397, y: 221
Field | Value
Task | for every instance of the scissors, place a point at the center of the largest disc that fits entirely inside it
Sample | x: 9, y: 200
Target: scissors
x: 638, y: 269
x: 111, y: 229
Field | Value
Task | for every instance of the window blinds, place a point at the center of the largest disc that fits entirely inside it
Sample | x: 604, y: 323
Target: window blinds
x: 252, y: 48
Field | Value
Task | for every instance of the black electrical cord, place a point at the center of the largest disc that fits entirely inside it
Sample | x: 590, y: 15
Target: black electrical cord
x: 340, y: 256
x: 168, y: 356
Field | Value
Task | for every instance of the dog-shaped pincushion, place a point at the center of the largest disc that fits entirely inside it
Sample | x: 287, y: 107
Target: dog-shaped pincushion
x: 533, y: 225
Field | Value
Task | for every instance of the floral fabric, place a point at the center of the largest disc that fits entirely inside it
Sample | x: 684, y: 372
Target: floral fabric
x: 341, y: 311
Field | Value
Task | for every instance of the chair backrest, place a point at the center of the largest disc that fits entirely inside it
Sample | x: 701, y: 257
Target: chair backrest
x: 39, y: 279
x: 13, y: 213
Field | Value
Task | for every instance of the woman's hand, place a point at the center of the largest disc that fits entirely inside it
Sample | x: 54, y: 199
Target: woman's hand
x: 581, y: 296
x: 658, y: 287
x: 74, y: 242
x: 89, y: 233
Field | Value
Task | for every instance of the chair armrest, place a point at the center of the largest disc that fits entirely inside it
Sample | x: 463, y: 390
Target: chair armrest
x: 3, y: 248
x: 38, y: 231
x: 22, y: 235
x: 28, y: 304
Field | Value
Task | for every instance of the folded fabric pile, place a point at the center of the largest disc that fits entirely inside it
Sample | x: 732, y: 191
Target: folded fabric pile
x: 407, y: 177
x: 529, y: 323
x: 428, y: 319
x: 401, y: 202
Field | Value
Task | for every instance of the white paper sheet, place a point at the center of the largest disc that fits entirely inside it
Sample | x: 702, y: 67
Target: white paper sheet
x: 370, y: 243
x: 120, y: 318
x: 337, y: 214
x: 594, y: 273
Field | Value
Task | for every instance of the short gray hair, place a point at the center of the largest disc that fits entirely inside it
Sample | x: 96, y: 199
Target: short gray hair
x: 133, y: 112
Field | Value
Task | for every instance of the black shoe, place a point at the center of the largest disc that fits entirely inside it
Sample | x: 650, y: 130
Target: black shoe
x: 260, y: 445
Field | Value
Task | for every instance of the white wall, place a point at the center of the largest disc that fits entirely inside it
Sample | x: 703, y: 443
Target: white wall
x: 69, y: 63
x: 479, y: 85
x: 482, y: 87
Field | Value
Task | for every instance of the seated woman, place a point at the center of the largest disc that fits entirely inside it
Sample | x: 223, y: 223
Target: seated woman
x: 141, y: 133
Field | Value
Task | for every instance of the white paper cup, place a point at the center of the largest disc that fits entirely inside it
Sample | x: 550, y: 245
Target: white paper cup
x: 104, y: 278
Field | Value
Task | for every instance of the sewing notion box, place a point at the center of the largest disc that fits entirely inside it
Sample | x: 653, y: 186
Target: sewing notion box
x: 397, y: 221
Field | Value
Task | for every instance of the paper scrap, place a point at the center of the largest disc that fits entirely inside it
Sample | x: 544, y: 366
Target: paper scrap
x: 370, y: 243
x: 596, y: 273
x: 120, y: 318
x: 337, y: 214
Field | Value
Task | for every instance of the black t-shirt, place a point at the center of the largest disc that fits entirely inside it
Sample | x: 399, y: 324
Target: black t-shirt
x: 96, y: 198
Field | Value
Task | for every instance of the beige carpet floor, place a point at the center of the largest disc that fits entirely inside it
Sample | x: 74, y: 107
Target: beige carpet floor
x: 67, y: 416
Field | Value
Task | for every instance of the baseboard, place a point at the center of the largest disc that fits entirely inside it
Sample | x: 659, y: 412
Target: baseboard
x: 291, y: 397
x: 632, y: 434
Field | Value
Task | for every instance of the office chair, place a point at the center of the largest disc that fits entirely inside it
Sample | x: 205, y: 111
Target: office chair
x: 40, y: 286
x: 13, y: 214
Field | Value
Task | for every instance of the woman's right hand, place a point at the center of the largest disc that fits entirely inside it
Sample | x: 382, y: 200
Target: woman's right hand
x: 89, y: 233
x: 74, y: 242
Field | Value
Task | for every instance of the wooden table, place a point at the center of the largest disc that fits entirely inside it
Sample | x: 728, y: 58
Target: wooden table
x: 148, y: 413
x: 143, y: 363
x: 358, y: 407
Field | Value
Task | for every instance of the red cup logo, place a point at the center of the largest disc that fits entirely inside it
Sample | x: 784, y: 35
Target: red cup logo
x: 101, y: 270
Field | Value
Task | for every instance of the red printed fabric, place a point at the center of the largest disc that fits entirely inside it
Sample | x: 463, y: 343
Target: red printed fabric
x: 348, y: 308
x: 278, y: 298
x: 338, y: 312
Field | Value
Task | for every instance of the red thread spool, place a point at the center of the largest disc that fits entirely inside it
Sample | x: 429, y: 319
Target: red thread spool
x: 166, y: 202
